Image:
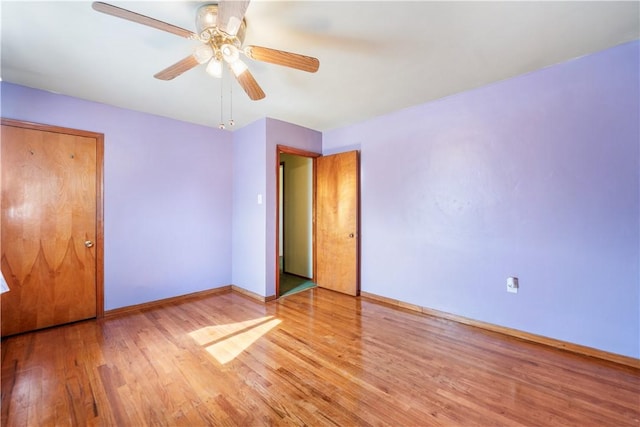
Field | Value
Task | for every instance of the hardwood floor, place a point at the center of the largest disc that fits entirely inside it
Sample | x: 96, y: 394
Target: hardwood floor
x: 314, y: 358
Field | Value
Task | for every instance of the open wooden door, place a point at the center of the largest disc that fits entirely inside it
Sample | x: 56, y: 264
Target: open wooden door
x: 51, y: 219
x: 337, y: 222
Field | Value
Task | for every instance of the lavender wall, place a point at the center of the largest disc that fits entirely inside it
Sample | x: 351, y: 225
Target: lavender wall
x: 254, y: 173
x: 249, y: 171
x: 536, y: 177
x: 167, y: 189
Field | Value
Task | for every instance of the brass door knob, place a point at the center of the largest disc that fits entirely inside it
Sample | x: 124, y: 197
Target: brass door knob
x: 88, y: 243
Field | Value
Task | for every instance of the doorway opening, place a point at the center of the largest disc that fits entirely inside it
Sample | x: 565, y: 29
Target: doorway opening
x: 296, y: 258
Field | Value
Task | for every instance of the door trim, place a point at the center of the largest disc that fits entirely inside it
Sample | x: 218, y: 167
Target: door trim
x: 283, y: 149
x: 99, y: 244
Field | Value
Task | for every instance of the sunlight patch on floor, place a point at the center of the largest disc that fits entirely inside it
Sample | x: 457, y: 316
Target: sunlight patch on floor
x: 226, y: 342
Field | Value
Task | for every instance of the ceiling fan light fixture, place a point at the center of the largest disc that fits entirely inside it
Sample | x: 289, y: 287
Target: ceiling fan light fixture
x: 206, y: 18
x: 214, y: 68
x: 229, y: 53
x: 203, y: 53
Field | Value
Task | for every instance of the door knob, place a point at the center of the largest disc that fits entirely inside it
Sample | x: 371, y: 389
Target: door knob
x: 351, y: 235
x: 88, y: 243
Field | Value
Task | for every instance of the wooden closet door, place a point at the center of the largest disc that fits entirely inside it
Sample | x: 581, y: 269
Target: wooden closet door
x: 49, y: 228
x: 337, y: 217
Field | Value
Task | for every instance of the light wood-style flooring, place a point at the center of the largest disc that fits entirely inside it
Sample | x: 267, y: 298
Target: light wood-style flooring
x: 315, y: 358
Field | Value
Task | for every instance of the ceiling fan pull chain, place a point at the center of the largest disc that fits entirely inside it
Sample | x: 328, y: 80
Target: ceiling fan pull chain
x: 231, y: 121
x: 221, y: 125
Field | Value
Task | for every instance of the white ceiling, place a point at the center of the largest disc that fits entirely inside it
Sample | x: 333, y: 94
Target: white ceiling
x: 375, y: 57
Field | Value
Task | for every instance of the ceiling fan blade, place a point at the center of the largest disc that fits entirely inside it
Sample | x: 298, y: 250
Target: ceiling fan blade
x: 230, y: 15
x: 250, y: 85
x: 141, y: 19
x: 280, y: 57
x: 176, y: 69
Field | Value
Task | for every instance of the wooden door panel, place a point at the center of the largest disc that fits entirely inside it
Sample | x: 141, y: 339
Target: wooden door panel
x: 337, y: 195
x: 49, y: 210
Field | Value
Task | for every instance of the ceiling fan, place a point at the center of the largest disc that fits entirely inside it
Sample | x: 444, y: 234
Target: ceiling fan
x: 221, y: 29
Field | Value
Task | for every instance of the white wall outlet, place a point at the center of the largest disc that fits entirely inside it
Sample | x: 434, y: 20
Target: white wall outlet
x: 512, y: 285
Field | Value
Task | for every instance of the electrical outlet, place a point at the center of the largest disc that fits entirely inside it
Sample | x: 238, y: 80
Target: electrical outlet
x: 512, y: 285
